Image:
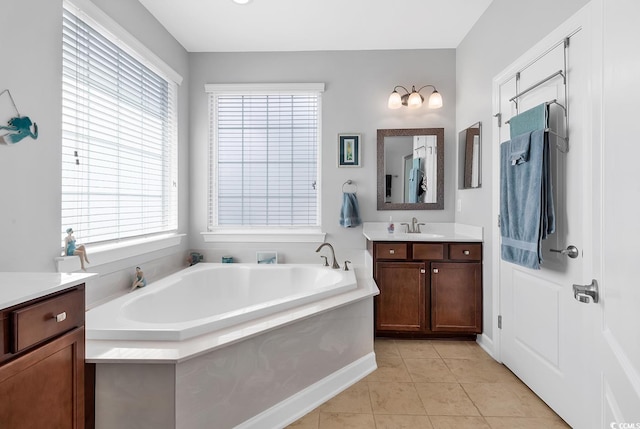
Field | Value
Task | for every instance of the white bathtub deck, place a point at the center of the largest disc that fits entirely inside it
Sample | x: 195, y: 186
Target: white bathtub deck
x: 135, y: 351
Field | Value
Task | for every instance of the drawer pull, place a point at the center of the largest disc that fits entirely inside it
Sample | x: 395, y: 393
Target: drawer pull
x: 466, y: 252
x: 61, y: 317
x: 435, y: 271
x: 392, y: 252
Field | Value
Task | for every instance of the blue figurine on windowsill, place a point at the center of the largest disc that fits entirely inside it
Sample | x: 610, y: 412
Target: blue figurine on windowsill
x: 70, y: 248
x: 139, y: 281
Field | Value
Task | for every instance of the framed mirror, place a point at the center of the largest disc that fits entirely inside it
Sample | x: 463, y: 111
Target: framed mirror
x: 470, y: 157
x: 411, y: 169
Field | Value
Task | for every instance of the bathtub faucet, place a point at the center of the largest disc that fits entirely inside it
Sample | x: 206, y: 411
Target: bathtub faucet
x: 334, y: 264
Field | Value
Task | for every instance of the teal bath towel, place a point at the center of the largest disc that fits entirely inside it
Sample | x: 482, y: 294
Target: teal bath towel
x: 527, y: 213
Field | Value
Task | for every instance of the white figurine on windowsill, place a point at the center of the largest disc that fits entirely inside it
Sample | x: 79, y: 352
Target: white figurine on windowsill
x: 139, y: 280
x: 70, y: 248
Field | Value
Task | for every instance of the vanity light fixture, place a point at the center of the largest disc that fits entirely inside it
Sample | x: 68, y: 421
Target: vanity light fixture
x: 414, y: 99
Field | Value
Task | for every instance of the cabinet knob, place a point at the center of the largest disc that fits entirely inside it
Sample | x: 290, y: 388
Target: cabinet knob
x: 466, y: 252
x: 392, y: 252
x: 61, y: 317
x: 422, y: 271
x: 435, y: 271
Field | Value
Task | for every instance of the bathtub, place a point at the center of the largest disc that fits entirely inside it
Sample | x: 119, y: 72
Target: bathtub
x: 209, y: 297
x: 246, y: 346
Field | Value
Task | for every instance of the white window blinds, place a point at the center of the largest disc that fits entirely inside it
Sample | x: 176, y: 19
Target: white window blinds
x: 119, y: 138
x: 264, y: 157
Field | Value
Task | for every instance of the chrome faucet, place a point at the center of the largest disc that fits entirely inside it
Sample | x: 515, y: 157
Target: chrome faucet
x: 414, y: 227
x: 334, y: 263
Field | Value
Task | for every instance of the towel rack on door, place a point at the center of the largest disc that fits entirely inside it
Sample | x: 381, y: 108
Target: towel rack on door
x: 563, y: 73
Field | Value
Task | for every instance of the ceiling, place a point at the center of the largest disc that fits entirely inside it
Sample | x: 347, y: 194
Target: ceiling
x: 316, y: 25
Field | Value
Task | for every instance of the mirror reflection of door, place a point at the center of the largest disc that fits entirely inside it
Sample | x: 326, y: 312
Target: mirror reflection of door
x: 426, y: 160
x: 408, y: 164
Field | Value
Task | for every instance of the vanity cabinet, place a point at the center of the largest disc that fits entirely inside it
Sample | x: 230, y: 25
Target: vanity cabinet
x: 428, y: 289
x: 456, y: 297
x: 399, y: 306
x: 42, y: 362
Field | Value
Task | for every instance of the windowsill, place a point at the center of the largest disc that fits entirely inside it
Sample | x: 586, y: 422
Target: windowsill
x: 102, y: 254
x: 249, y: 235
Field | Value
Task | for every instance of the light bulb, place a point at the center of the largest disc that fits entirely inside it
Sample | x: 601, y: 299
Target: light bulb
x: 415, y: 100
x: 435, y: 100
x: 395, y: 101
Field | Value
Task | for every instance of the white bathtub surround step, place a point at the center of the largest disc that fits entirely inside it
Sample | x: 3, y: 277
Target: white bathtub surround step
x: 377, y: 231
x: 254, y: 382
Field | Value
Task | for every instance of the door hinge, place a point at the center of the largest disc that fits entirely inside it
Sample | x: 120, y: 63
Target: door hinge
x: 499, y: 220
x: 499, y: 322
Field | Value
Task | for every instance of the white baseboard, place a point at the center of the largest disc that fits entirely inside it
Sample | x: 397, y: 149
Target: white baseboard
x: 296, y: 406
x: 488, y: 346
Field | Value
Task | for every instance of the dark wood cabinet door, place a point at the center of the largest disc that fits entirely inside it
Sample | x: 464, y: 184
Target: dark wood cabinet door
x: 45, y: 387
x: 401, y: 303
x: 456, y: 297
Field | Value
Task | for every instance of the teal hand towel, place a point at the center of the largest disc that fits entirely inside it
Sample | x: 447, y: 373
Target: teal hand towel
x: 536, y: 118
x: 519, y: 148
x: 350, y: 212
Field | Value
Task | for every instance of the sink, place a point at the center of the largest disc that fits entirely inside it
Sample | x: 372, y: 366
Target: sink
x: 417, y: 236
x: 426, y: 235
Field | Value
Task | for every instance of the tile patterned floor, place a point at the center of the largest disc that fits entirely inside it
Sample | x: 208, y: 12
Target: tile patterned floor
x: 430, y: 384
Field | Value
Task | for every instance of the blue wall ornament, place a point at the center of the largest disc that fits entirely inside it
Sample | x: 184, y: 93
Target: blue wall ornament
x: 18, y: 127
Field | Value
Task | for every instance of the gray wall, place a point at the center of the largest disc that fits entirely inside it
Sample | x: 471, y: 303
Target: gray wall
x: 358, y: 85
x: 30, y: 178
x: 506, y: 30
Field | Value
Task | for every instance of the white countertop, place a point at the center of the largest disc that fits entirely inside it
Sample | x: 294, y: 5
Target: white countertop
x: 433, y: 232
x: 16, y: 288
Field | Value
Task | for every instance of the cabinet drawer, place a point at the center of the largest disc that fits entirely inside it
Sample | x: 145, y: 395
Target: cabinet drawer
x: 391, y: 251
x: 465, y: 252
x: 40, y: 321
x: 430, y: 251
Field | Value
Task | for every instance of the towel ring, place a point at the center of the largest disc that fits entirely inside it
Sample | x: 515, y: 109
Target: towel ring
x: 349, y: 182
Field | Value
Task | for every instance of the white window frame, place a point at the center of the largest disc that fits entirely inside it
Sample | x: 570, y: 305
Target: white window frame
x: 260, y: 234
x: 105, y: 253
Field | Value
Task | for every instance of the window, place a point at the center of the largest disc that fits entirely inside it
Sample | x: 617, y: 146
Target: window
x: 264, y: 143
x: 119, y: 138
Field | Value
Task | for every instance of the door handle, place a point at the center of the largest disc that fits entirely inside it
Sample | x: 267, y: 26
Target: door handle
x: 571, y: 251
x: 586, y: 293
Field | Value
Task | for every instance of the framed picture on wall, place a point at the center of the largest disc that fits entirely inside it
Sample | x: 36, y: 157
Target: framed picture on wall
x: 348, y: 150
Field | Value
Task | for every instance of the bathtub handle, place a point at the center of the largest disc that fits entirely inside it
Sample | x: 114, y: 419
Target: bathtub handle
x: 346, y: 267
x: 326, y: 263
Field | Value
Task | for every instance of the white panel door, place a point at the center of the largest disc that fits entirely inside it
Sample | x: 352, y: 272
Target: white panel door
x: 618, y: 211
x: 542, y: 339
